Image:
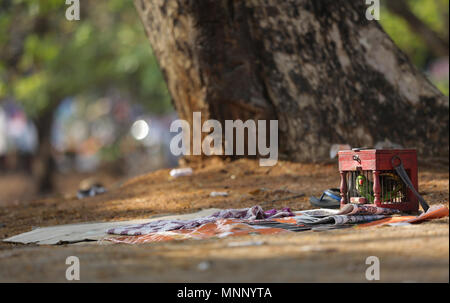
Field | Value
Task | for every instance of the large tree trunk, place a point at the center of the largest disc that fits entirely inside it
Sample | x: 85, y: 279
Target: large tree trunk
x: 318, y: 66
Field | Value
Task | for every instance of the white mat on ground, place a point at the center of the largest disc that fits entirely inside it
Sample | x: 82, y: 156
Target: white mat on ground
x: 73, y: 233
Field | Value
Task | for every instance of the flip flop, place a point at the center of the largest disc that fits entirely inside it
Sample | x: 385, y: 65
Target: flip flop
x: 329, y: 199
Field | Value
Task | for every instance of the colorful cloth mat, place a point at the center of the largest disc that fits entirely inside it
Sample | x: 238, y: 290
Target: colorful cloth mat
x: 220, y: 228
x: 434, y: 212
x: 254, y: 221
x: 252, y: 213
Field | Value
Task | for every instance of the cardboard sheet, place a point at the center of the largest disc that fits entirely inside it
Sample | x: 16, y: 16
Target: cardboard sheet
x: 74, y: 233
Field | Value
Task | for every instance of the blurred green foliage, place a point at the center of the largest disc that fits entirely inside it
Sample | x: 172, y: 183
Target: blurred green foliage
x: 45, y: 57
x: 434, y: 13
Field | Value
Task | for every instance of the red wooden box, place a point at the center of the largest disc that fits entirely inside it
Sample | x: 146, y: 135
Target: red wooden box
x: 382, y: 185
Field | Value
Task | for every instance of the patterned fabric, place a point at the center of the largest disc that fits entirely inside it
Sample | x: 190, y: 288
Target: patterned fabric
x: 318, y: 213
x: 220, y: 228
x: 434, y: 212
x: 351, y: 213
x: 345, y: 219
x: 366, y: 209
x: 253, y: 213
x: 250, y: 221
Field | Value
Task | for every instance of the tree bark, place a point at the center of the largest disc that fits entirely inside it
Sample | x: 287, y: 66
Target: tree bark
x: 44, y: 165
x: 320, y: 67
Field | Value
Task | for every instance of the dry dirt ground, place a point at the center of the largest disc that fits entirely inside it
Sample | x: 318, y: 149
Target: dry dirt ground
x: 418, y: 253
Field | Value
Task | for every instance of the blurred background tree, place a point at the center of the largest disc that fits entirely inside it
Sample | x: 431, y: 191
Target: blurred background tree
x: 45, y: 59
x: 420, y: 29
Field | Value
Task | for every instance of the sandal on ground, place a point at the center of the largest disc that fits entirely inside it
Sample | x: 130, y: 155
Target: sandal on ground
x: 330, y: 199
